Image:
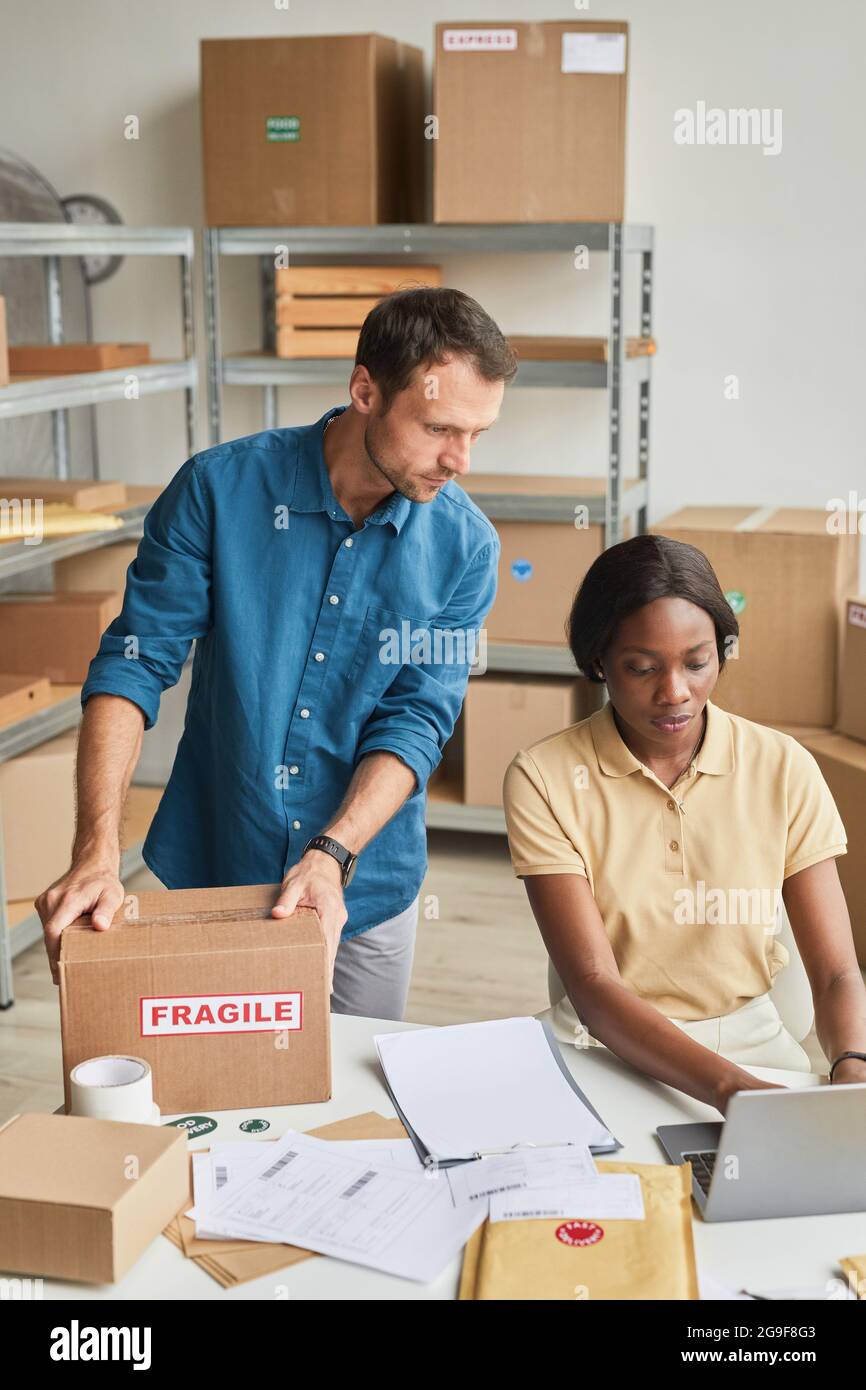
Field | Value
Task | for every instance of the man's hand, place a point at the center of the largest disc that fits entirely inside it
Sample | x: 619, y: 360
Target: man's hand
x: 89, y: 886
x: 316, y: 881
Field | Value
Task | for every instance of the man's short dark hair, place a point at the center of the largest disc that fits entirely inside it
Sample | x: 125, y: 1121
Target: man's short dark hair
x: 419, y: 327
x: 632, y: 574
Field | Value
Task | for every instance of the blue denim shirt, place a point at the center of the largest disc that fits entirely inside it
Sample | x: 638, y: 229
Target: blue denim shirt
x: 297, y: 673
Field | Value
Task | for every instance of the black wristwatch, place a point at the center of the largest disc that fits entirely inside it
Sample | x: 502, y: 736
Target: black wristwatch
x: 344, y: 857
x: 842, y: 1055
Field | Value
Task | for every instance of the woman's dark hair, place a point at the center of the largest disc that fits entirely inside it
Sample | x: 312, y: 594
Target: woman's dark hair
x: 414, y: 327
x: 626, y: 577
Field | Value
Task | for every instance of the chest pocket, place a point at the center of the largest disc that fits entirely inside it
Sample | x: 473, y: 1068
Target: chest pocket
x: 384, y: 646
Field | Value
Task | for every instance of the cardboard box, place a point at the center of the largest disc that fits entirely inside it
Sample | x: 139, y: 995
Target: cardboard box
x: 531, y: 121
x: 4, y: 345
x: 505, y: 713
x: 22, y: 695
x: 228, y: 1005
x: 56, y: 635
x: 76, y: 492
x: 36, y: 358
x: 538, y: 348
x: 843, y: 764
x: 37, y: 805
x: 68, y: 1206
x: 785, y: 576
x: 312, y: 131
x: 103, y: 568
x: 542, y: 562
x: 852, y: 681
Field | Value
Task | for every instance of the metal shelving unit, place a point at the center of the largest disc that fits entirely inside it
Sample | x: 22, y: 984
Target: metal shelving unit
x: 57, y: 394
x: 415, y: 244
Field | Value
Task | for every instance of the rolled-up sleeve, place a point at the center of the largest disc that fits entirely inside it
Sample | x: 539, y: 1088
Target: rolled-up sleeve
x: 167, y: 601
x: 416, y: 716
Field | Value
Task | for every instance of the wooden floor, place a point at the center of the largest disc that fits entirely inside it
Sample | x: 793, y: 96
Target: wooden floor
x: 478, y: 956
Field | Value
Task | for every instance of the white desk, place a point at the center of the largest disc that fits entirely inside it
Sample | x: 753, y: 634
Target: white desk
x: 755, y: 1254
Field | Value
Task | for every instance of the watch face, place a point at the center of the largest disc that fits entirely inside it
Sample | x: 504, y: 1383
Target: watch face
x: 347, y: 873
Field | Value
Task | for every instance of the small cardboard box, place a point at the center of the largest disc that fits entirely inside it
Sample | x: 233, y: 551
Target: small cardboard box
x: 102, y: 568
x: 531, y: 121
x: 504, y: 713
x: 37, y: 803
x: 843, y: 764
x: 852, y: 681
x: 4, y: 345
x: 228, y: 1005
x: 86, y: 493
x: 785, y: 574
x: 82, y: 1199
x: 56, y: 635
x: 542, y: 562
x: 312, y: 131
x: 21, y: 695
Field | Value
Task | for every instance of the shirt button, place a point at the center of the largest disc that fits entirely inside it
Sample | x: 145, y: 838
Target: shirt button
x: 670, y: 805
x: 333, y: 599
x: 348, y: 542
x: 294, y: 768
x: 296, y: 825
x: 305, y: 714
x: 675, y: 844
x: 320, y: 656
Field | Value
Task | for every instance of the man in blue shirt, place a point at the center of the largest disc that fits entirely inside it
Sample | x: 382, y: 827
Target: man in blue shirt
x: 334, y: 578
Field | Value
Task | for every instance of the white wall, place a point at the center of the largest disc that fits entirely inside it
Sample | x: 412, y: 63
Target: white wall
x: 759, y: 269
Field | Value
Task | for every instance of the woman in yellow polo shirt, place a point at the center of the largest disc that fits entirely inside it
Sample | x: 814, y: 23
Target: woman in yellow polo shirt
x: 657, y: 838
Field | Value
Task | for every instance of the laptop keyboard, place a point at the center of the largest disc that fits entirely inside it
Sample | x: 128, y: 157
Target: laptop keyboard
x: 702, y: 1167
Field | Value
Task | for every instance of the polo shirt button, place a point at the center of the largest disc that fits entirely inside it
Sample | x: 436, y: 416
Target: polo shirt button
x: 294, y: 768
x: 349, y: 542
x: 305, y: 714
x: 675, y: 844
x: 296, y: 825
x: 670, y: 805
x: 320, y: 656
x: 333, y: 599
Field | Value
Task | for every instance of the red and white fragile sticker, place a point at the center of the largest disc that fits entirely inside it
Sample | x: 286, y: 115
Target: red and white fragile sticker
x: 857, y: 614
x: 186, y: 1015
x: 479, y: 40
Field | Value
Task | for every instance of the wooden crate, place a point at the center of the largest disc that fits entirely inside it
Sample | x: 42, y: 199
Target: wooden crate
x: 319, y: 310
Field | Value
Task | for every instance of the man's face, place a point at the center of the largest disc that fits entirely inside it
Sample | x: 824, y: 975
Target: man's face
x: 426, y: 437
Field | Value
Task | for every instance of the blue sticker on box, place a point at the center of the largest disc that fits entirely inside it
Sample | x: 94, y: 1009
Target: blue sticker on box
x: 521, y: 570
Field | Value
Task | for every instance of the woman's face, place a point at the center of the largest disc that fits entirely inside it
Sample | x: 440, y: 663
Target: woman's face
x: 661, y: 669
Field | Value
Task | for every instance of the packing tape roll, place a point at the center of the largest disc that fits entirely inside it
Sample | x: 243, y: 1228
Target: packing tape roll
x: 114, y: 1088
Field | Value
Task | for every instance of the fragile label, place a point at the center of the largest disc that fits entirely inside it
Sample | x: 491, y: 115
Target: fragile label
x: 182, y: 1015
x: 282, y: 128
x: 857, y: 615
x: 602, y: 52
x: 479, y: 40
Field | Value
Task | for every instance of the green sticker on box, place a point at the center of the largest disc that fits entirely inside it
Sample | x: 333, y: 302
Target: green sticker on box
x: 736, y: 600
x: 283, y: 128
x: 195, y: 1125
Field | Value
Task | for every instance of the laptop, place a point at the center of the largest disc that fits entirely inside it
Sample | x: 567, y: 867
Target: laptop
x: 799, y: 1152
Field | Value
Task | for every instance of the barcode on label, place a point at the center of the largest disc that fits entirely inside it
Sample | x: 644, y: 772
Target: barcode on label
x: 221, y: 1177
x: 356, y: 1186
x: 280, y: 1163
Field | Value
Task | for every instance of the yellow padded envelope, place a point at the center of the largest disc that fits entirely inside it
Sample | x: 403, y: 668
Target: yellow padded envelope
x: 584, y: 1259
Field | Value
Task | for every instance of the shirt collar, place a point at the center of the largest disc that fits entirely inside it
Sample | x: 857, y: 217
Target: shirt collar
x: 313, y: 491
x: 716, y: 755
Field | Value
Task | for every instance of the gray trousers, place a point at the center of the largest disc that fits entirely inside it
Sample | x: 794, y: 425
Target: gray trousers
x: 372, y: 970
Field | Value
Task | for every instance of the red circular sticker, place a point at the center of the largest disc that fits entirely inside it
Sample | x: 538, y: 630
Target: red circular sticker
x: 579, y: 1233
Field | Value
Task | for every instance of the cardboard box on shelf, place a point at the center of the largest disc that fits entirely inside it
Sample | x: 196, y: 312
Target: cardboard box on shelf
x: 68, y: 1209
x: 851, y: 719
x: 785, y: 575
x: 102, y: 568
x: 505, y: 713
x: 4, y: 345
x: 227, y: 1004
x: 37, y: 805
x: 538, y: 348
x: 86, y: 493
x: 55, y: 635
x: 37, y: 358
x: 312, y: 131
x: 21, y: 695
x: 542, y: 562
x: 531, y: 121
x: 843, y: 764
x: 319, y: 310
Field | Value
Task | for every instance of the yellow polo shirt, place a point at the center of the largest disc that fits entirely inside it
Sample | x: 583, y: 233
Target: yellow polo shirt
x: 687, y: 879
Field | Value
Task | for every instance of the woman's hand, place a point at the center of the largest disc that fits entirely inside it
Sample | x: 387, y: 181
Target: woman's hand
x: 742, y: 1081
